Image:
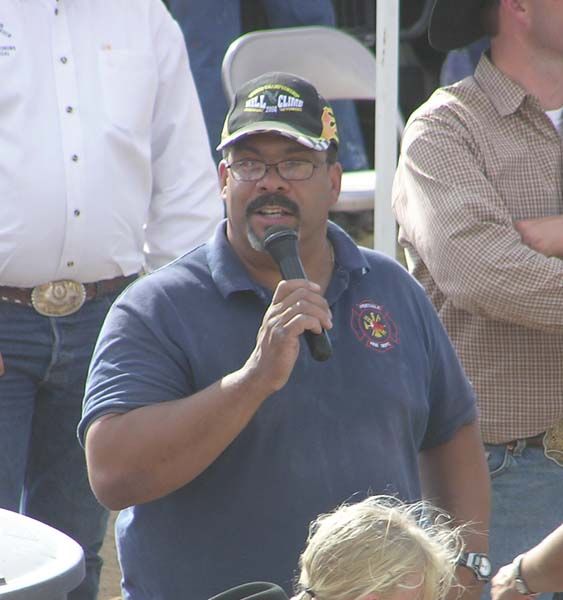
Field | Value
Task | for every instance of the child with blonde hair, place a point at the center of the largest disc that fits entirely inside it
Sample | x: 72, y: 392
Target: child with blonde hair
x: 380, y: 549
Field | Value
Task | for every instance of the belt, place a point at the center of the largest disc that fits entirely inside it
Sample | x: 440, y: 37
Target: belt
x: 63, y: 297
x: 535, y: 441
x: 551, y: 441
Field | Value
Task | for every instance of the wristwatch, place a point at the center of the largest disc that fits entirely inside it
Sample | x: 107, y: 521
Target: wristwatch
x: 478, y: 563
x: 519, y: 584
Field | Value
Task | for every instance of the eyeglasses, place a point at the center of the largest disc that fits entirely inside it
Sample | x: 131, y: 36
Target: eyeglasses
x: 290, y: 170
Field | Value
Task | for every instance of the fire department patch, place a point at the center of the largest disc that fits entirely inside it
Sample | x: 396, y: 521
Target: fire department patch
x: 374, y: 327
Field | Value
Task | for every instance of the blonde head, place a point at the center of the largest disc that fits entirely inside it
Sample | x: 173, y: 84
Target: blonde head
x: 377, y: 548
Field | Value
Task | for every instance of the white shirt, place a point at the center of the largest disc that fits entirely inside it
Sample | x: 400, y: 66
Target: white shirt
x: 556, y: 117
x: 105, y: 165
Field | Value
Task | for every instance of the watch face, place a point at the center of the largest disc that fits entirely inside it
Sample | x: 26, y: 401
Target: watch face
x: 484, y: 566
x: 478, y: 563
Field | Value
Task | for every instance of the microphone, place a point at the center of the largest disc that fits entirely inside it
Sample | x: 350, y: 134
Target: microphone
x: 281, y: 243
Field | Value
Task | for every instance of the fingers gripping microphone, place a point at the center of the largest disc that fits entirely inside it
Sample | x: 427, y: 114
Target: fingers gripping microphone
x: 281, y: 243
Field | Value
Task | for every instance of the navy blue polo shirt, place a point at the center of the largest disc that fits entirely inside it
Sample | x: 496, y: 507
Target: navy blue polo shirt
x: 338, y: 430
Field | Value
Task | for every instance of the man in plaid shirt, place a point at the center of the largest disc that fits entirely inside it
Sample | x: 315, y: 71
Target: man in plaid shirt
x: 479, y: 198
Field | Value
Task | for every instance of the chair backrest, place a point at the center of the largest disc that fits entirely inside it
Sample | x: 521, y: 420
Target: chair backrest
x: 336, y: 63
x: 333, y: 61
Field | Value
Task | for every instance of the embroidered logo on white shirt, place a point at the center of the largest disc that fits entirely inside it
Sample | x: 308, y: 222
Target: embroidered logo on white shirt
x: 5, y: 35
x: 7, y: 50
x: 4, y: 31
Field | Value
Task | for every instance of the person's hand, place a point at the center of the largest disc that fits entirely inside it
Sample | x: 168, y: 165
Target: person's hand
x: 544, y: 235
x: 297, y: 305
x: 502, y: 585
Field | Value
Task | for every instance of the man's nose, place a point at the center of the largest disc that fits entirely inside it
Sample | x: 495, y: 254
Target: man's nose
x: 272, y: 179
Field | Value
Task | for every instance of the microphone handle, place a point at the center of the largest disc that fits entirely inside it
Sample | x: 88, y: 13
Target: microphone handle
x: 319, y: 343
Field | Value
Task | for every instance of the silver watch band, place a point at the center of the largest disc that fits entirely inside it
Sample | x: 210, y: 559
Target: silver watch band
x: 519, y: 583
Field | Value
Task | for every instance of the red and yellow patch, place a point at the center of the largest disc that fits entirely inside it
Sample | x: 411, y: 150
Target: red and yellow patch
x: 374, y: 327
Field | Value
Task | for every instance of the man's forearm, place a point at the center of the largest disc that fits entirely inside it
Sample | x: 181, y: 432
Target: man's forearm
x: 151, y: 451
x: 538, y: 570
x: 455, y: 477
x: 542, y: 566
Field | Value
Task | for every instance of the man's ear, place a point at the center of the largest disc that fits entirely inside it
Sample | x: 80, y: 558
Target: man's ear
x: 335, y: 175
x: 223, y: 175
x: 518, y: 9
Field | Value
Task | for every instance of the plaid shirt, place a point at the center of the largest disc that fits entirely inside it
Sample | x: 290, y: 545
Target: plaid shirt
x: 477, y: 156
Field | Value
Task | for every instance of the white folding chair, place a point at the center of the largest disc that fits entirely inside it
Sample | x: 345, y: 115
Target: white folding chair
x: 336, y: 63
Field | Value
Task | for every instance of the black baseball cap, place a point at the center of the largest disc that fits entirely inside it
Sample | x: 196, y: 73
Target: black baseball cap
x: 282, y: 103
x: 455, y: 24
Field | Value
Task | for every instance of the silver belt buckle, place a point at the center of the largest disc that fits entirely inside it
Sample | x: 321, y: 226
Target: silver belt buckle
x: 58, y: 298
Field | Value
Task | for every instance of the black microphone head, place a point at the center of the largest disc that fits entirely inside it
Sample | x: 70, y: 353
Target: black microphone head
x: 276, y: 232
x: 279, y: 240
x: 281, y: 243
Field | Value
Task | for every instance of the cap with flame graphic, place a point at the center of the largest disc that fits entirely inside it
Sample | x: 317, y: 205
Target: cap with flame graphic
x: 282, y: 103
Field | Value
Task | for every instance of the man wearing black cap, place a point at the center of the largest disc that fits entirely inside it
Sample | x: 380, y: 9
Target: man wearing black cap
x: 208, y: 419
x: 478, y: 196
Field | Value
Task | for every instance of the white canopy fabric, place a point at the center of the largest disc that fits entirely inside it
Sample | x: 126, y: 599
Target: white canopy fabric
x: 387, y: 56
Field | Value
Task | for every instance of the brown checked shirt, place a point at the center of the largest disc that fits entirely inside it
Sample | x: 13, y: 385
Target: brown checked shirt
x: 476, y: 157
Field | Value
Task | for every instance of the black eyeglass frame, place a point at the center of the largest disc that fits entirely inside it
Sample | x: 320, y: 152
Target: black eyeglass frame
x: 266, y: 166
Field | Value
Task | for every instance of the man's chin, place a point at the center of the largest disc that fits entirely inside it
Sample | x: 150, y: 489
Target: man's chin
x: 256, y: 229
x: 256, y: 241
x: 257, y: 232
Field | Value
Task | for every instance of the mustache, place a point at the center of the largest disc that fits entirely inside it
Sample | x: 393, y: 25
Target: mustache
x: 272, y: 200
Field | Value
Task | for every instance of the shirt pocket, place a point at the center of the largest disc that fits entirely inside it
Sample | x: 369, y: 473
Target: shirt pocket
x: 129, y: 84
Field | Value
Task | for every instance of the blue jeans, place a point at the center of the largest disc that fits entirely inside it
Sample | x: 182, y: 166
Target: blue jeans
x: 527, y: 500
x: 42, y: 466
x: 209, y: 27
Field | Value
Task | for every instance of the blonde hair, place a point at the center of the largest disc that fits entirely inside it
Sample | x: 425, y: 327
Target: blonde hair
x: 379, y: 546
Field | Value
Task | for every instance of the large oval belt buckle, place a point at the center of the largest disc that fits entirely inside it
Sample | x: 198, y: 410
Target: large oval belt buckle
x: 58, y: 298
